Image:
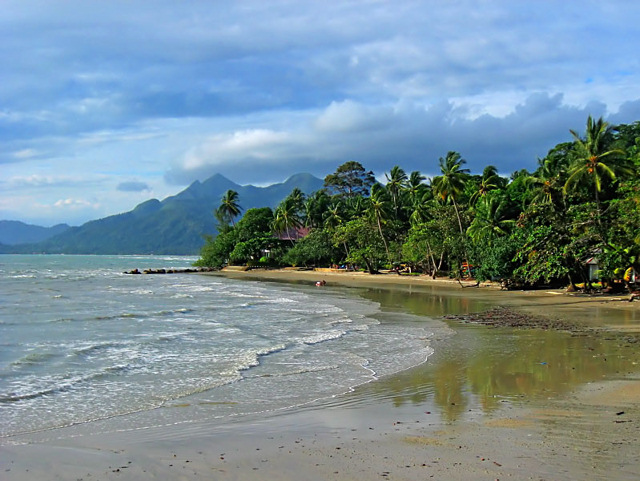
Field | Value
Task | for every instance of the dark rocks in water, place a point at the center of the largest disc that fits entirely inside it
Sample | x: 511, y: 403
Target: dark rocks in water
x: 170, y: 271
x: 505, y: 317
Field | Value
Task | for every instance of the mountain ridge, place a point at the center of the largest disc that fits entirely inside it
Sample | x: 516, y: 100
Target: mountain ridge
x: 176, y: 225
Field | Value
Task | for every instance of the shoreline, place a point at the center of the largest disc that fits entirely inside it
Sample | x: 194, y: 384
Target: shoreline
x: 583, y: 309
x: 400, y: 427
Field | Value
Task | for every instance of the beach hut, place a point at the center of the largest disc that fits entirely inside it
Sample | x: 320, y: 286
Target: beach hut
x: 593, y: 269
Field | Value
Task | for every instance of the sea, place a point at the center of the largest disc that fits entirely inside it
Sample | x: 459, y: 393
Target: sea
x: 84, y: 343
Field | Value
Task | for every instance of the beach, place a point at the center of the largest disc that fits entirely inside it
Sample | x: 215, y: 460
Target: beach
x: 553, y: 401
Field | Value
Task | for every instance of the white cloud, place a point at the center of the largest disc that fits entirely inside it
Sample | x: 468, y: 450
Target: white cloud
x: 109, y: 91
x: 75, y: 204
x: 25, y: 154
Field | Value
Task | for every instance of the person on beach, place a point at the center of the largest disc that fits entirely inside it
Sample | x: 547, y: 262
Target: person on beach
x: 321, y: 283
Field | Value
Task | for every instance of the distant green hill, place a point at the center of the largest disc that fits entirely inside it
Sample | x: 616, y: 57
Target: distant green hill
x: 14, y: 232
x: 176, y: 225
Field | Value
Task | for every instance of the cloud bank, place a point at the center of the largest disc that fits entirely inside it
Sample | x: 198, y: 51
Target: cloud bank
x: 176, y: 91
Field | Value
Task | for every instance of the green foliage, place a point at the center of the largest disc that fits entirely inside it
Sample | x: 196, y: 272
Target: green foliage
x: 250, y: 251
x: 255, y: 223
x: 229, y: 208
x: 215, y: 252
x: 349, y: 180
x: 314, y: 250
x: 582, y: 202
x: 494, y: 261
x: 363, y: 243
x: 541, y: 258
x: 242, y: 243
x: 425, y: 247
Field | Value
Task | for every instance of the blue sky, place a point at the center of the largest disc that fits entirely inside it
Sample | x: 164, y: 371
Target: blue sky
x: 105, y: 104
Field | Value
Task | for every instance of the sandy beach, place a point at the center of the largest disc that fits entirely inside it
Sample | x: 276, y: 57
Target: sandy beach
x: 549, y: 402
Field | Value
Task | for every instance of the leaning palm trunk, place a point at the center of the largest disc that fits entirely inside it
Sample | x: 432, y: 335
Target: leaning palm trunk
x: 466, y: 254
x: 433, y: 260
x: 384, y: 241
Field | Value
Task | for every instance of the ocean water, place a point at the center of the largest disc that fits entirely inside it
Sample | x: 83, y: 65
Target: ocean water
x: 82, y: 343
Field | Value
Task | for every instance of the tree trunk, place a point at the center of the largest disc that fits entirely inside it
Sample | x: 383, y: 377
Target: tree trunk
x: 466, y: 254
x: 384, y: 241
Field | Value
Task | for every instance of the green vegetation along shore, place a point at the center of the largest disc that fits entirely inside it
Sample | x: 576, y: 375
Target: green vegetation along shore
x: 573, y: 220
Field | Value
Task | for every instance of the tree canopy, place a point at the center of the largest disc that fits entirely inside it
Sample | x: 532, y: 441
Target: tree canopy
x: 582, y: 202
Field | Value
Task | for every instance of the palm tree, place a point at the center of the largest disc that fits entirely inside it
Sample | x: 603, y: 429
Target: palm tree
x: 396, y: 182
x: 546, y: 183
x: 297, y: 198
x: 594, y: 162
x: 355, y: 206
x: 415, y: 187
x: 490, y: 222
x: 490, y: 181
x: 286, y: 219
x: 379, y: 209
x: 229, y: 208
x: 333, y: 215
x: 451, y: 183
x: 315, y: 207
x: 333, y: 218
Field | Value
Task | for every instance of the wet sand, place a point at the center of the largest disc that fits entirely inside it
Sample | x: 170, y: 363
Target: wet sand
x: 543, y: 403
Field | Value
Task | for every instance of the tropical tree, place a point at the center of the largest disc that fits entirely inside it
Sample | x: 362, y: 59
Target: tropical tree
x: 490, y: 181
x: 363, y: 239
x: 229, y: 208
x: 297, y: 200
x: 286, y: 219
x: 314, y: 249
x: 349, y: 180
x: 333, y: 215
x: 450, y: 184
x: 594, y: 161
x: 333, y: 218
x: 415, y: 187
x: 379, y: 210
x: 546, y: 184
x: 396, y: 183
x: 490, y: 222
x: 315, y: 207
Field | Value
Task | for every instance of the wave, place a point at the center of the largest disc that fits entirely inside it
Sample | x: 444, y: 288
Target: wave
x: 33, y: 358
x: 304, y: 370
x: 96, y: 348
x: 14, y: 397
x: 322, y: 337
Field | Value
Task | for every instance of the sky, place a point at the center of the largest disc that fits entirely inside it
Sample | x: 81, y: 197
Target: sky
x: 106, y: 104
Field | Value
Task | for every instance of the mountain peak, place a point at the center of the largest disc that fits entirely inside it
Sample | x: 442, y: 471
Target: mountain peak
x: 174, y: 226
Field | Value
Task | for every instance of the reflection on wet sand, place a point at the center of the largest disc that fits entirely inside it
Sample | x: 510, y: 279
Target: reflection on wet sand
x: 480, y: 368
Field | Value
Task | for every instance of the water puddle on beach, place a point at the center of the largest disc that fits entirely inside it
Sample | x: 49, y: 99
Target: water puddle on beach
x: 481, y: 369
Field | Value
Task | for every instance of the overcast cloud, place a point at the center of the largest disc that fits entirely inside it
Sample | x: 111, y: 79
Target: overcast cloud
x: 104, y: 104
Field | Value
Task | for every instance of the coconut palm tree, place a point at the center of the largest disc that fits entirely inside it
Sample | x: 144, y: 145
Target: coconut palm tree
x: 593, y: 161
x: 379, y: 210
x: 314, y: 208
x: 546, y: 184
x: 286, y: 219
x: 451, y: 183
x: 333, y: 215
x: 229, y: 208
x: 490, y: 181
x: 415, y: 187
x: 396, y: 182
x: 490, y: 221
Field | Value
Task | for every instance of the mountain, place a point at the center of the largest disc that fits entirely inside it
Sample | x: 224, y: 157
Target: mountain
x: 14, y: 232
x: 176, y: 225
